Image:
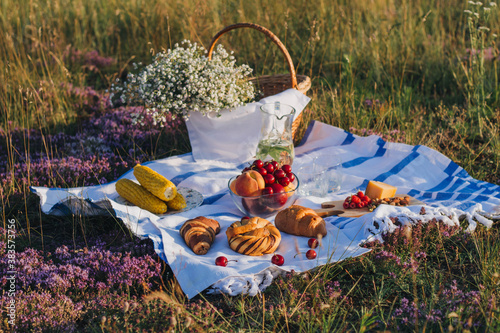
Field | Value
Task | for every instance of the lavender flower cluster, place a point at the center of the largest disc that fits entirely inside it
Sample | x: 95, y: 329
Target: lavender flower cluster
x: 57, y: 290
x: 107, y: 144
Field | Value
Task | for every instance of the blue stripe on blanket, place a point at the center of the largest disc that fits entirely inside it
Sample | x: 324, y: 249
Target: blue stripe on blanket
x: 307, y: 133
x: 398, y: 167
x: 360, y: 160
x: 213, y: 198
x: 179, y: 178
x: 349, y: 139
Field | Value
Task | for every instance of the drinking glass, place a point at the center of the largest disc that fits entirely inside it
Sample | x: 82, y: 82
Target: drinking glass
x: 331, y: 165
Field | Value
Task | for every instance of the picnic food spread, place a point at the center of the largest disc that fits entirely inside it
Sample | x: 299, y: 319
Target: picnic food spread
x: 199, y: 233
x: 300, y: 221
x: 154, y: 193
x: 253, y: 236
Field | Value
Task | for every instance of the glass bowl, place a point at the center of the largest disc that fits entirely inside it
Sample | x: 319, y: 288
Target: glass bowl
x: 264, y: 205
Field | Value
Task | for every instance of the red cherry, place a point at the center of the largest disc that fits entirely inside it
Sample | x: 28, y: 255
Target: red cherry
x: 278, y: 259
x: 277, y: 188
x: 287, y: 168
x: 221, y: 261
x: 258, y: 163
x: 245, y: 218
x: 280, y: 197
x: 279, y: 174
x: 275, y: 164
x: 312, y: 243
x: 269, y: 179
x: 291, y: 176
x: 311, y: 254
x: 284, y: 181
x: 267, y: 190
x: 269, y: 167
x: 262, y: 171
x: 346, y: 205
x: 355, y: 199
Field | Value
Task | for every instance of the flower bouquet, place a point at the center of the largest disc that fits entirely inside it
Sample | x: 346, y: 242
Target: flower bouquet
x: 183, y: 80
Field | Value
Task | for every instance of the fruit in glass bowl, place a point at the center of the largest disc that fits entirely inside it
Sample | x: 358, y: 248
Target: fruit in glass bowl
x: 278, y: 193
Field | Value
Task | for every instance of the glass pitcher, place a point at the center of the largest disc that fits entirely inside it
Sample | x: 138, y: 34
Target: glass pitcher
x: 276, y: 140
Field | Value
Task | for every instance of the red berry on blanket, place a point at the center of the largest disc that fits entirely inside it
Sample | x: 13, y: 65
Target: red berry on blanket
x: 311, y: 254
x: 287, y: 168
x: 269, y: 179
x: 291, y: 176
x: 360, y: 194
x: 278, y: 259
x: 312, y: 243
x: 355, y: 199
x: 221, y: 261
x: 352, y: 205
x: 258, y: 163
x: 346, y: 205
x: 366, y: 199
x: 360, y: 204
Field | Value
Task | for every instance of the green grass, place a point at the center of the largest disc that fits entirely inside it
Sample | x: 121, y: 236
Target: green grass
x: 411, y: 56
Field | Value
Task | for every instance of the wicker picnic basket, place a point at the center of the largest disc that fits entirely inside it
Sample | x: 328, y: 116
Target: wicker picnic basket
x: 271, y: 84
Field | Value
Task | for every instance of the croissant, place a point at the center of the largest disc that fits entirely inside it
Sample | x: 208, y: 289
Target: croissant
x: 300, y: 221
x: 253, y: 236
x: 199, y: 233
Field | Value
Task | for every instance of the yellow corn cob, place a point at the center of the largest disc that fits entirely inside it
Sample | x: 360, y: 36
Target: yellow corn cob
x: 155, y: 183
x: 177, y: 203
x: 140, y: 197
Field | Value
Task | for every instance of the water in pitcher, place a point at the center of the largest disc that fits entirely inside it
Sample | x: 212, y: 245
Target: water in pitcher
x: 279, y: 150
x: 276, y: 141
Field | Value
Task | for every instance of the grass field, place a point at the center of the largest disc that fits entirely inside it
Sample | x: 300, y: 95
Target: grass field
x: 418, y: 72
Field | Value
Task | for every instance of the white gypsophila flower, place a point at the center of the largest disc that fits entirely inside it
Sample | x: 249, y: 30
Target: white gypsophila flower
x: 468, y: 12
x: 493, y: 4
x: 183, y: 80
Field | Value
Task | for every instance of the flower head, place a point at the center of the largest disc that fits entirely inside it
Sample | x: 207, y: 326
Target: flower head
x: 183, y: 79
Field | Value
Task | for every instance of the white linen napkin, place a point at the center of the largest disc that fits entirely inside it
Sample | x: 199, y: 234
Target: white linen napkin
x: 234, y: 136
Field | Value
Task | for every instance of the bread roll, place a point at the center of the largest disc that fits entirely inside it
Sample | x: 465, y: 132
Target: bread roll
x: 253, y: 236
x: 300, y: 221
x: 199, y: 233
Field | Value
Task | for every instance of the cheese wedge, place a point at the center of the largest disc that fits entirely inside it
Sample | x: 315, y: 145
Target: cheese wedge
x: 379, y: 190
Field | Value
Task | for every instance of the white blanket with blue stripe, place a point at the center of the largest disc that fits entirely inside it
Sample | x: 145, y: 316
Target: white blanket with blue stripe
x: 447, y: 190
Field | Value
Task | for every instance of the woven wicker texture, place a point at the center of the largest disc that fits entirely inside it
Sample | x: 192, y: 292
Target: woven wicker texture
x: 271, y: 84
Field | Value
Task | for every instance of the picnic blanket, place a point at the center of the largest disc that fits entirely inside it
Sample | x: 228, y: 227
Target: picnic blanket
x: 427, y: 175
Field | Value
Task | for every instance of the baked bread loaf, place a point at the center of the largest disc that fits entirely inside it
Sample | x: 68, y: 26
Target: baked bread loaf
x: 300, y: 221
x: 253, y: 236
x: 199, y: 233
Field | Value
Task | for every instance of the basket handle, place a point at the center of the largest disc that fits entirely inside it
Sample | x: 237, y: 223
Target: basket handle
x: 265, y: 31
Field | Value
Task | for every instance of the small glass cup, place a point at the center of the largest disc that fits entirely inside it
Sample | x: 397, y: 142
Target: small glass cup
x: 312, y: 181
x: 331, y: 165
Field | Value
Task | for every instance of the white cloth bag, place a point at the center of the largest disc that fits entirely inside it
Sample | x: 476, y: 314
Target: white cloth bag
x: 234, y: 136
